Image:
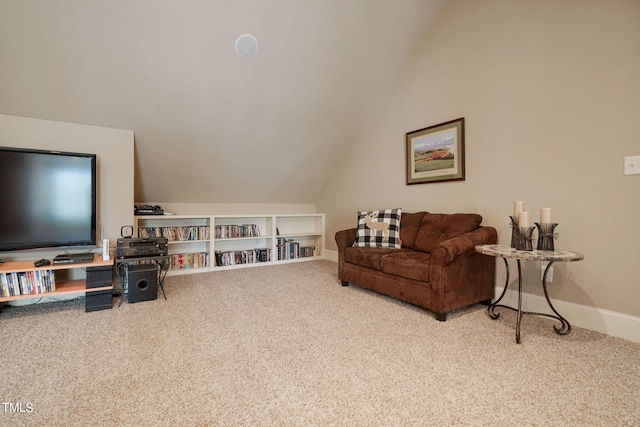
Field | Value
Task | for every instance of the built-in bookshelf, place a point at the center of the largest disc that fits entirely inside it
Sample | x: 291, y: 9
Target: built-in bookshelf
x: 299, y: 237
x: 200, y: 243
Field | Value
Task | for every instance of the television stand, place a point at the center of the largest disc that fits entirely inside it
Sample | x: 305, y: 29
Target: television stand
x: 97, y: 286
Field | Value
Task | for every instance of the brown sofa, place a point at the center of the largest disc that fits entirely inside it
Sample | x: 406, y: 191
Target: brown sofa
x: 437, y: 267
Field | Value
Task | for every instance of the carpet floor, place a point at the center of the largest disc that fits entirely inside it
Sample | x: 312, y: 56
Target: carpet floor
x: 287, y: 345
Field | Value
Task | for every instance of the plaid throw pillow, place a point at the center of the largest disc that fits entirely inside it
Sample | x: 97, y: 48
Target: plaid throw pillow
x: 378, y: 229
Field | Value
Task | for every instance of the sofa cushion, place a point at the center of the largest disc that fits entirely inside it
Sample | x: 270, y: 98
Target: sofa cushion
x: 409, y: 230
x: 378, y: 229
x: 368, y: 257
x: 437, y: 228
x: 409, y: 264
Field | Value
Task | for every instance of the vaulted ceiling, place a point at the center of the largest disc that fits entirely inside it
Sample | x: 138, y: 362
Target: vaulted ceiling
x: 212, y: 126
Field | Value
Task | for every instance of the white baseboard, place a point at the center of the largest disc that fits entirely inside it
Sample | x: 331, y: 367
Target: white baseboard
x: 607, y: 322
x: 595, y: 319
x: 331, y: 255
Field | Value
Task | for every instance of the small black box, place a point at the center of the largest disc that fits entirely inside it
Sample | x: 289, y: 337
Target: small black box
x: 98, y: 300
x: 99, y: 277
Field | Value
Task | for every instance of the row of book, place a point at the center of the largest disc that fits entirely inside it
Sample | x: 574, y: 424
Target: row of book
x: 241, y: 230
x: 249, y: 256
x: 189, y: 260
x: 286, y: 249
x: 290, y: 249
x: 182, y: 233
x: 27, y: 283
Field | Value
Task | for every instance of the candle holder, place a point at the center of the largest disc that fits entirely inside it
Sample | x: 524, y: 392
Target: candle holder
x: 514, y: 231
x: 524, y: 239
x: 546, y: 235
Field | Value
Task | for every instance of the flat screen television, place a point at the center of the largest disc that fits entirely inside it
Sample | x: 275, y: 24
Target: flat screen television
x: 48, y: 199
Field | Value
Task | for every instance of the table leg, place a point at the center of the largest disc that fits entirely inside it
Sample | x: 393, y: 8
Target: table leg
x: 492, y: 307
x: 566, y: 327
x: 520, y: 313
x: 121, y: 271
x: 161, y: 276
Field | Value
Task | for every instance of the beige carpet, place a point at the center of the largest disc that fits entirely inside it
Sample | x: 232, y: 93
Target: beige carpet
x: 288, y: 346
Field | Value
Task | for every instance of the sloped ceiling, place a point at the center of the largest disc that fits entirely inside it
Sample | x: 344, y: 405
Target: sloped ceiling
x: 211, y: 126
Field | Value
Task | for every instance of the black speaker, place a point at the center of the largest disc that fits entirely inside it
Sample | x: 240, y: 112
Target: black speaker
x: 142, y: 281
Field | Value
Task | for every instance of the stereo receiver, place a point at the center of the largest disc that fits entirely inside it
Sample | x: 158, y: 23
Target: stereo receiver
x: 141, y: 247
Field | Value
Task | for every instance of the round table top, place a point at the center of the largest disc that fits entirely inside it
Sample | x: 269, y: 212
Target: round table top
x: 504, y: 251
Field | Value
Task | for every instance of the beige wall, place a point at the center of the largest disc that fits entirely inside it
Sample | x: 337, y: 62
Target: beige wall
x: 551, y: 98
x: 114, y: 150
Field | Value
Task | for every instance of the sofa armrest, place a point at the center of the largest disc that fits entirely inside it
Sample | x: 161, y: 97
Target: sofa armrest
x: 464, y: 245
x: 345, y: 238
x: 459, y: 275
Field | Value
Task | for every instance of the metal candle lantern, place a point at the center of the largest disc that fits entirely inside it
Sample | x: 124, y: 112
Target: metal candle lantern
x: 524, y: 238
x: 546, y: 235
x: 514, y: 231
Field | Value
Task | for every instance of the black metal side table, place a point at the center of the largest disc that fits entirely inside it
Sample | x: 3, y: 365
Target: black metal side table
x: 506, y: 252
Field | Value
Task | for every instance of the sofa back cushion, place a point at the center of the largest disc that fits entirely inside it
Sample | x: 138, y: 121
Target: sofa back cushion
x: 409, y: 226
x: 436, y: 228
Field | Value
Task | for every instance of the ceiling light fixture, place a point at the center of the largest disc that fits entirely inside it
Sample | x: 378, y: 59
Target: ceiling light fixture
x: 246, y: 45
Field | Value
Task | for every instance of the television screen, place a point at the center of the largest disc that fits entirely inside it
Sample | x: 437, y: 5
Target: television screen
x: 48, y: 199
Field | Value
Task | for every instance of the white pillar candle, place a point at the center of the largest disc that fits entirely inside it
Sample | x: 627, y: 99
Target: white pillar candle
x: 518, y: 205
x: 545, y: 216
x: 523, y: 219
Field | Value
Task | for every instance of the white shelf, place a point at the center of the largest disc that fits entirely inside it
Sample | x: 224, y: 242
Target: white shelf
x: 306, y: 229
x: 225, y: 239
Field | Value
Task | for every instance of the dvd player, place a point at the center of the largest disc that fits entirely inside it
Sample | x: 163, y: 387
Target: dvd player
x: 73, y: 258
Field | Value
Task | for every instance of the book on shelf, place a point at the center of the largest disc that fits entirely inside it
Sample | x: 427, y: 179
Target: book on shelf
x: 290, y: 249
x: 248, y: 256
x: 179, y: 233
x: 189, y: 260
x: 236, y: 230
x: 27, y: 283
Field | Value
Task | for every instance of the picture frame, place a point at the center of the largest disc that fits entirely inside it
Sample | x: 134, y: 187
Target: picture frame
x: 436, y: 153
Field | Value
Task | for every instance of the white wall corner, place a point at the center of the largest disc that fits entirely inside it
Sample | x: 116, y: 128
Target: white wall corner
x: 331, y: 255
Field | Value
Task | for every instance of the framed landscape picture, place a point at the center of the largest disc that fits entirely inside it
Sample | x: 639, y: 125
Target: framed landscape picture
x: 436, y: 153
